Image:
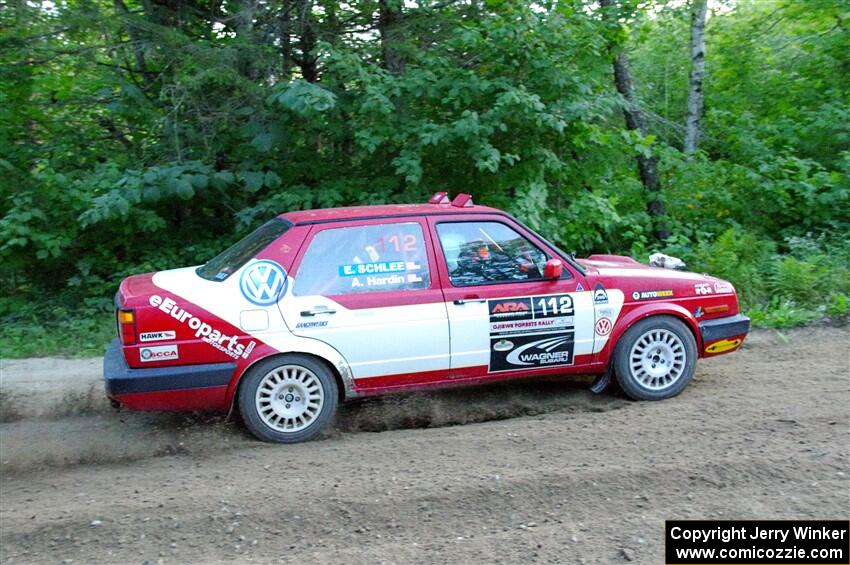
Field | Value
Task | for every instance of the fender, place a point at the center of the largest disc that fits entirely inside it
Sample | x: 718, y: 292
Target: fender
x: 302, y: 345
x: 646, y: 310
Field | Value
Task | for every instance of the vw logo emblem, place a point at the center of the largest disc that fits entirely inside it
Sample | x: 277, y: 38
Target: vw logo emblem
x: 263, y: 282
x: 603, y: 326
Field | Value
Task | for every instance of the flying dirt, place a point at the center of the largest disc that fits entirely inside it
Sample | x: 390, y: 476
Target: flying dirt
x: 535, y: 470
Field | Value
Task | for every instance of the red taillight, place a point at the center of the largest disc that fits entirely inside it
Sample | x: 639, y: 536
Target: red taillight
x: 127, y: 327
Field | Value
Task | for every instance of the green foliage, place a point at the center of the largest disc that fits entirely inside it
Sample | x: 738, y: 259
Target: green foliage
x: 152, y: 138
x: 737, y: 256
x: 780, y: 314
x: 808, y: 282
x: 303, y: 98
x: 51, y: 328
x: 838, y: 306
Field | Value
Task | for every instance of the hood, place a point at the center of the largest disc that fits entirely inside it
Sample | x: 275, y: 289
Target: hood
x: 618, y: 261
x: 622, y: 266
x: 641, y: 282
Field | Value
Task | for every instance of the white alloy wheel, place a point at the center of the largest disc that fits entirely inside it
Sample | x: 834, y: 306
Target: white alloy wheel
x: 657, y: 359
x: 289, y: 398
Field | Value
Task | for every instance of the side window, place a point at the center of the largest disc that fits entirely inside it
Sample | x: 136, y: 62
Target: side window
x: 362, y: 259
x: 488, y: 252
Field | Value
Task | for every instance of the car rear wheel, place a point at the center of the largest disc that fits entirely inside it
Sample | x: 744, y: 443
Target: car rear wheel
x: 288, y: 399
x: 655, y: 359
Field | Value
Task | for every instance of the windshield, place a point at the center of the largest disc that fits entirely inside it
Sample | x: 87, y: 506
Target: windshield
x: 568, y: 257
x: 228, y: 262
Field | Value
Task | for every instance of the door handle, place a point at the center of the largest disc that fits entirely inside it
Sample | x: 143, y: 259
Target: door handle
x: 318, y: 310
x: 469, y: 299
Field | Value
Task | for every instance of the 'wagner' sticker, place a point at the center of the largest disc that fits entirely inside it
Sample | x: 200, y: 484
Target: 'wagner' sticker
x: 531, y: 332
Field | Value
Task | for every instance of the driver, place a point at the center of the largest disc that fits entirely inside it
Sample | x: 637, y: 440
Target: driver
x: 479, y: 261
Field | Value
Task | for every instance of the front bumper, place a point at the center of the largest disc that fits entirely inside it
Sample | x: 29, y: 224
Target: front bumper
x: 121, y: 380
x: 722, y: 328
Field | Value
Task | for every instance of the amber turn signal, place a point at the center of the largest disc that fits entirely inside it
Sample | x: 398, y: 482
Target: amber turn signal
x: 127, y: 327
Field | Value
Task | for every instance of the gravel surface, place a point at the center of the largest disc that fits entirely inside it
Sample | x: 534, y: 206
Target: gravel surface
x: 533, y: 471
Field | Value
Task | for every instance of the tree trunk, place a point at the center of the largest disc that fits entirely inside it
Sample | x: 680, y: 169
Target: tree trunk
x: 636, y: 121
x: 136, y: 41
x: 389, y: 14
x: 695, y: 92
x: 307, y: 41
x: 246, y: 11
x: 285, y: 38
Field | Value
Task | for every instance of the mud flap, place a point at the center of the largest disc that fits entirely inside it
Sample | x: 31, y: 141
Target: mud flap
x: 232, y: 412
x: 601, y: 383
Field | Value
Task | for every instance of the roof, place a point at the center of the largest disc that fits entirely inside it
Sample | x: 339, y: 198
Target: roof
x: 382, y: 211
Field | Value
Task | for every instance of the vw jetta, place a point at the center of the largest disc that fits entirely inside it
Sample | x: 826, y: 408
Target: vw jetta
x: 321, y: 306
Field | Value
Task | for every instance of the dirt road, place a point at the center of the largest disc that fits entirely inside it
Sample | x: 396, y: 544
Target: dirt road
x: 539, y: 472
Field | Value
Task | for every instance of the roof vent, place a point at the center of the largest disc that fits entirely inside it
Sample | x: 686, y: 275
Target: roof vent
x: 439, y: 198
x: 463, y: 200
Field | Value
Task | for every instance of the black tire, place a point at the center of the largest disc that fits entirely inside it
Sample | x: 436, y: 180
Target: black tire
x: 637, y: 375
x: 248, y: 397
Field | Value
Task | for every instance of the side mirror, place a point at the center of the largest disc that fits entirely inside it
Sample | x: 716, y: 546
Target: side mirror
x: 553, y: 269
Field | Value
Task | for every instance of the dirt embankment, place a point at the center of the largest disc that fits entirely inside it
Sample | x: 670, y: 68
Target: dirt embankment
x: 532, y: 471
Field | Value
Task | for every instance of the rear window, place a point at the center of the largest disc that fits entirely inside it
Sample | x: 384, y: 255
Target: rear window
x: 228, y: 262
x: 356, y: 260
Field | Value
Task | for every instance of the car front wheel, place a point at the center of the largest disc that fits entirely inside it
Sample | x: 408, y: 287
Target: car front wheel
x: 655, y: 359
x: 288, y: 399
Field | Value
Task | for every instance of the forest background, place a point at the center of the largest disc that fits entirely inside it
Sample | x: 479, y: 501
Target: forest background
x: 140, y: 135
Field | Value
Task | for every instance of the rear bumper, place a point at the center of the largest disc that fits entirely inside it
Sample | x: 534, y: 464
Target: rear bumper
x: 722, y: 328
x: 188, y: 387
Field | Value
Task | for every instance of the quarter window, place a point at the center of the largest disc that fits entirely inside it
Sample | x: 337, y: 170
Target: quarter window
x: 488, y: 253
x: 361, y: 259
x: 231, y: 260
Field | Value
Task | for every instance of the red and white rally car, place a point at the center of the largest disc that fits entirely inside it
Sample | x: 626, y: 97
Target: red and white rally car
x: 321, y: 306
